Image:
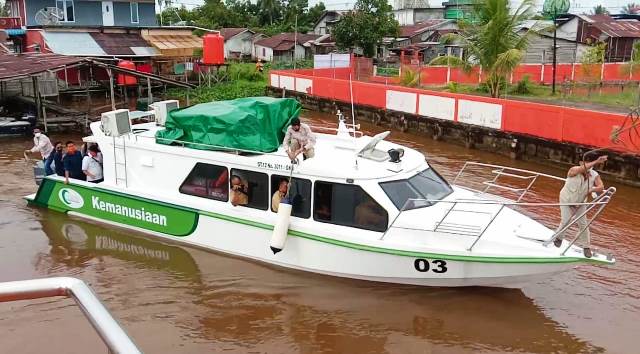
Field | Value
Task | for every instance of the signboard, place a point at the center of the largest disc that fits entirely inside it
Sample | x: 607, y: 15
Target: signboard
x: 437, y: 107
x: 325, y: 61
x: 480, y: 113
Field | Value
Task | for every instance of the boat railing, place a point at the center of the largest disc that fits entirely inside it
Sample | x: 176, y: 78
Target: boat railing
x: 113, y: 336
x: 352, y: 129
x: 478, y: 230
x: 514, y: 182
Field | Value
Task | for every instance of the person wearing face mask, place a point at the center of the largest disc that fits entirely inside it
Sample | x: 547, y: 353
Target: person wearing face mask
x: 92, y: 165
x: 42, y: 144
x: 72, y: 162
x: 581, y: 181
x: 58, y: 154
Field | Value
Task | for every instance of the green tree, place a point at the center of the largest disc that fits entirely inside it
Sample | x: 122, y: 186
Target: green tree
x: 599, y: 10
x: 271, y: 10
x: 591, y: 64
x: 366, y: 25
x: 492, y: 40
x: 4, y: 9
x: 631, y: 8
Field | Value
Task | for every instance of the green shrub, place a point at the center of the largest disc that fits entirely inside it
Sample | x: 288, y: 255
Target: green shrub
x: 523, y: 87
x: 222, y: 91
x: 453, y: 87
x: 410, y: 77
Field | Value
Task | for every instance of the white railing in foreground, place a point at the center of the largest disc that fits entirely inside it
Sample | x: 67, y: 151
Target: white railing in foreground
x: 115, y: 338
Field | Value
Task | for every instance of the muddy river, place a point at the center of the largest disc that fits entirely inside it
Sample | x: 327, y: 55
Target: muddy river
x: 174, y: 299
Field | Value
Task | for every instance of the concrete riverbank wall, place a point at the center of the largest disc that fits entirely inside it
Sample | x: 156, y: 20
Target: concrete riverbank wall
x: 522, y: 130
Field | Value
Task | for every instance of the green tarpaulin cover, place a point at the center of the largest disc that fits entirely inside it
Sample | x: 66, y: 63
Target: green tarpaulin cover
x: 253, y: 123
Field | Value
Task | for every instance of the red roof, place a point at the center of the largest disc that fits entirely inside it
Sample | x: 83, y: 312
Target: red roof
x: 410, y: 31
x: 284, y: 41
x: 615, y: 28
x: 14, y: 66
x: 232, y: 32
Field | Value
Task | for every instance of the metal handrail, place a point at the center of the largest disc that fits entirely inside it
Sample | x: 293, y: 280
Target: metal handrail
x: 115, y: 338
x: 602, y: 201
x: 506, y: 171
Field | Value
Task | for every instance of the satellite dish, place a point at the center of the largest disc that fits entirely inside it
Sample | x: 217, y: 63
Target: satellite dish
x: 49, y: 16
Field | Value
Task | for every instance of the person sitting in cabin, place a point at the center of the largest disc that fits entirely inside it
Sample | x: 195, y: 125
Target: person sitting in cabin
x: 92, y: 164
x: 42, y: 144
x: 72, y: 163
x: 581, y: 181
x: 368, y: 214
x: 283, y: 186
x: 239, y: 191
x: 58, y: 154
x: 299, y: 139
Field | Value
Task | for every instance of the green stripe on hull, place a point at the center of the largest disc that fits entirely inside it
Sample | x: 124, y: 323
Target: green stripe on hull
x: 182, y: 221
x: 124, y: 209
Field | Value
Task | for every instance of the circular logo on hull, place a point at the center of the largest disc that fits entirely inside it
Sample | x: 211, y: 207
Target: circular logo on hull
x: 71, y: 198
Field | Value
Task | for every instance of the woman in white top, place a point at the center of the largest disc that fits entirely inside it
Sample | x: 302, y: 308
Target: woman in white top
x: 581, y: 181
x: 92, y: 165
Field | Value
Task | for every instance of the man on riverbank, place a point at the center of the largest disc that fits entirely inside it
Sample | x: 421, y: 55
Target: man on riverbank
x: 581, y: 181
x: 299, y: 139
x: 42, y: 144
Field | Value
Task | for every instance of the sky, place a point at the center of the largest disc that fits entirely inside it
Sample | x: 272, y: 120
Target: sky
x: 577, y: 6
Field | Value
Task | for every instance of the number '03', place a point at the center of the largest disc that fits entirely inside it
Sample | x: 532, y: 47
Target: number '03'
x: 423, y: 265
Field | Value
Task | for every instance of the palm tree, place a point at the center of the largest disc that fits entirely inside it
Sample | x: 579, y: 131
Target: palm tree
x: 631, y: 8
x: 492, y: 41
x: 270, y: 7
x: 599, y: 10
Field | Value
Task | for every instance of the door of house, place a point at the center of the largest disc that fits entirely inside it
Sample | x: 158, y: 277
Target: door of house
x: 107, y: 13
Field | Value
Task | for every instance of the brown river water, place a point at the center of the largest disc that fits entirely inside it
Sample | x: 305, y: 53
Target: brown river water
x: 174, y: 299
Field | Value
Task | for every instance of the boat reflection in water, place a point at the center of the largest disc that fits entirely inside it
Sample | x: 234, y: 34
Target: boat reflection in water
x: 234, y: 304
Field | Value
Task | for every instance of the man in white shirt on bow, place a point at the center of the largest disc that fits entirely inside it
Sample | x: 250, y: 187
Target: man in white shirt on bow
x: 42, y: 144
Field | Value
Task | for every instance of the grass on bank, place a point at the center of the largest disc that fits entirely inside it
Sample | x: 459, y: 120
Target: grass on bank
x: 619, y: 96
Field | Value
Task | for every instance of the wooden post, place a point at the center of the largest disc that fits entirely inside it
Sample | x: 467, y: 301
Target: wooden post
x: 66, y: 78
x: 111, y: 90
x: 188, y: 104
x: 149, y: 94
x: 36, y: 97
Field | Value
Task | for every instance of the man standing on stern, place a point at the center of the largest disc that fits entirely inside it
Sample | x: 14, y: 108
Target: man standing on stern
x: 42, y: 144
x: 299, y: 139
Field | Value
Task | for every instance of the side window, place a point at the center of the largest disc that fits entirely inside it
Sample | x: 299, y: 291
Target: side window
x: 299, y: 192
x: 348, y: 205
x: 207, y: 181
x: 250, y: 189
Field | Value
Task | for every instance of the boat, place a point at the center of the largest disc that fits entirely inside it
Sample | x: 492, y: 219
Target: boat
x: 10, y: 126
x: 362, y: 208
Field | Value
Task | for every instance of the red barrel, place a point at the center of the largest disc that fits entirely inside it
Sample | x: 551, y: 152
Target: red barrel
x: 213, y: 49
x: 123, y: 79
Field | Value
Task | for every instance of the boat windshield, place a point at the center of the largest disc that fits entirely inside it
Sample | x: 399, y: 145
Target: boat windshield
x: 427, y: 184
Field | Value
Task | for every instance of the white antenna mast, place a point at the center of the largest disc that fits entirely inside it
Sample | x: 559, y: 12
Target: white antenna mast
x: 353, y: 117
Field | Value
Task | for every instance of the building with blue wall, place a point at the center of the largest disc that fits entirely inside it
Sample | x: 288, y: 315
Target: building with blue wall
x: 91, y: 13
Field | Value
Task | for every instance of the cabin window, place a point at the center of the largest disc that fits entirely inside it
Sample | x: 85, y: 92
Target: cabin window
x: 134, y: 12
x: 427, y: 184
x: 207, y: 181
x: 299, y: 192
x: 67, y: 10
x: 250, y: 189
x: 348, y: 205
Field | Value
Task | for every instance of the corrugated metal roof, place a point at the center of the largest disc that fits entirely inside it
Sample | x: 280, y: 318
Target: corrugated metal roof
x: 120, y: 43
x: 277, y: 40
x: 164, y: 42
x: 228, y: 33
x: 614, y: 28
x: 72, y: 43
x: 14, y: 66
x: 412, y: 30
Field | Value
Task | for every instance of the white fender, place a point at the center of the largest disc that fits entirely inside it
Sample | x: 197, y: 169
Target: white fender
x: 281, y: 227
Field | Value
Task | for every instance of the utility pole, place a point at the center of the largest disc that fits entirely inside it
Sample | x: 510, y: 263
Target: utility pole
x: 295, y: 39
x: 555, y: 49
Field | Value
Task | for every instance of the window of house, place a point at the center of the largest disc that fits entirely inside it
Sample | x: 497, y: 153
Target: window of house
x: 348, y: 205
x: 427, y: 184
x: 299, y: 192
x: 207, y: 181
x: 264, y: 52
x: 68, y: 13
x: 250, y: 189
x: 134, y: 12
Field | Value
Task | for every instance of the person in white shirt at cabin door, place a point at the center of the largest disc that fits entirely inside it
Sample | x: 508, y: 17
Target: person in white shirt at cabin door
x: 42, y: 144
x: 92, y: 165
